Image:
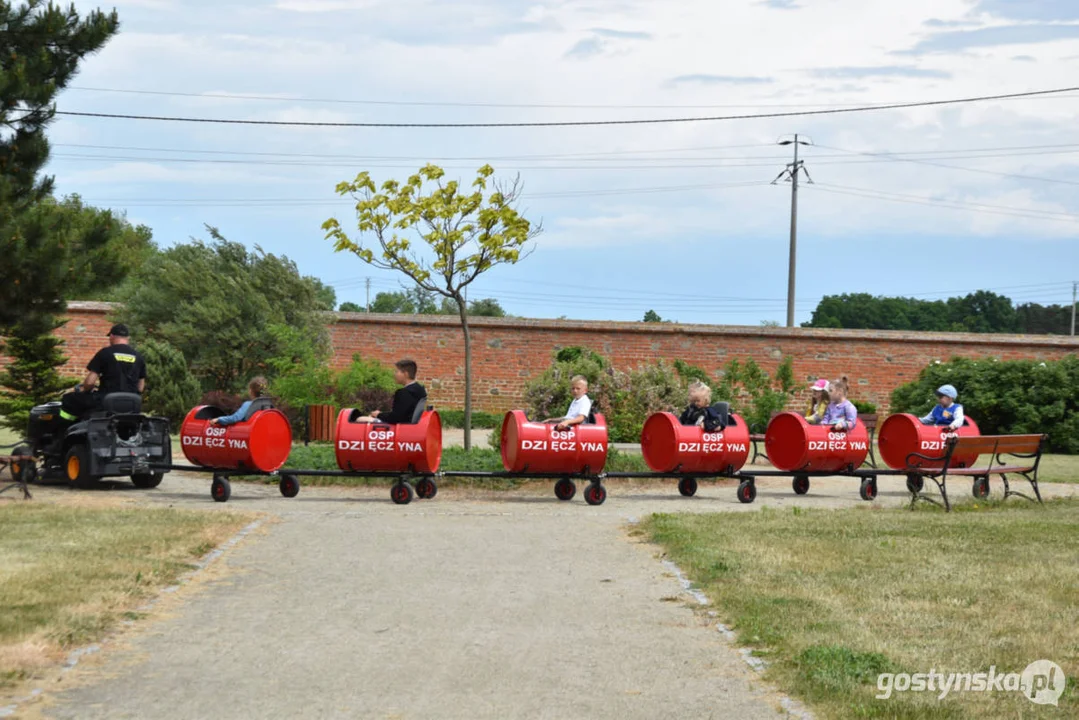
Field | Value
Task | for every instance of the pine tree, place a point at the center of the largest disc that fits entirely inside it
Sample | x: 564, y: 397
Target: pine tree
x: 31, y: 378
x: 41, y: 46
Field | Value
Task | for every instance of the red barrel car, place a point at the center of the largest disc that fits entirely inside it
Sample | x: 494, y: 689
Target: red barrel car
x: 538, y: 448
x: 260, y: 442
x: 903, y: 434
x: 379, y: 447
x: 671, y: 447
x: 795, y: 445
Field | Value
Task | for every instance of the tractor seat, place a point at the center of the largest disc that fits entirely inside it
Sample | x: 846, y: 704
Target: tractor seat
x: 121, y: 403
x: 723, y: 410
x: 418, y: 412
x: 257, y: 404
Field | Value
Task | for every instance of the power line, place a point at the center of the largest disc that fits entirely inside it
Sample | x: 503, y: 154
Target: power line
x: 917, y: 200
x: 920, y: 161
x: 1013, y: 151
x: 291, y: 202
x: 569, y: 123
x: 443, y: 103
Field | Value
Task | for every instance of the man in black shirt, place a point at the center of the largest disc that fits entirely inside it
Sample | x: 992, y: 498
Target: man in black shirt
x: 116, y: 368
x: 405, y: 400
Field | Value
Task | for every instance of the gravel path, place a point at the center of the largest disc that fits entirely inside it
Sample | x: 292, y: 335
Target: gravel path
x: 471, y: 605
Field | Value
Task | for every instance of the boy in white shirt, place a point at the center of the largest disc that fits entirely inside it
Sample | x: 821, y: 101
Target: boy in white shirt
x: 579, y: 409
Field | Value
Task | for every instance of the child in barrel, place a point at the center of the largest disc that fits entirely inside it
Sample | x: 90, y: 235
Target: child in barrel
x: 947, y: 412
x: 840, y: 413
x: 405, y: 399
x: 579, y: 409
x: 255, y: 389
x: 700, y: 412
x: 818, y: 401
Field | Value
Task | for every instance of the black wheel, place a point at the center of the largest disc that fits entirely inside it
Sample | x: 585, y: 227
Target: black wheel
x: 595, y: 494
x: 801, y: 484
x: 77, y: 465
x: 565, y: 489
x: 402, y: 493
x: 868, y: 490
x: 687, y: 486
x: 146, y: 481
x: 915, y: 483
x: 426, y: 489
x: 289, y: 485
x: 220, y: 489
x: 747, y: 492
x: 25, y: 470
x: 981, y: 487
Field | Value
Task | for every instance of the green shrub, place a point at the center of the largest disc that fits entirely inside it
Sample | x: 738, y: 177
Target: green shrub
x: 548, y: 395
x: 358, y: 376
x: 751, y: 392
x: 482, y: 420
x: 627, y: 399
x: 171, y: 389
x: 755, y: 394
x: 864, y: 408
x: 1014, y: 396
x: 648, y: 389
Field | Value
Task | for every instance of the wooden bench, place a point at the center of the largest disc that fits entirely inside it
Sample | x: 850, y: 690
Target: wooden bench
x: 19, y: 467
x: 1024, y: 453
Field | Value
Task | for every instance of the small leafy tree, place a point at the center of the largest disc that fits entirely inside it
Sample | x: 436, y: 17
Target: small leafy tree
x: 171, y: 389
x: 439, y: 235
x: 351, y: 307
x: 755, y: 393
x: 652, y: 317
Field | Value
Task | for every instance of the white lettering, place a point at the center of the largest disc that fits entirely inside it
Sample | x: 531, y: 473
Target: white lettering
x: 592, y: 446
x: 214, y: 431
x: 533, y: 444
x: 410, y: 447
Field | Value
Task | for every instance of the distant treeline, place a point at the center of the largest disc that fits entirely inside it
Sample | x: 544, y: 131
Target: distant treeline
x: 979, y: 312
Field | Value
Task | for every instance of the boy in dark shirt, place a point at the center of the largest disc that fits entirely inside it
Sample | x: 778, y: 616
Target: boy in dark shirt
x: 405, y: 400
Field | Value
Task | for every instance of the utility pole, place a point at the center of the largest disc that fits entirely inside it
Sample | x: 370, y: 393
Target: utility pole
x: 1075, y: 285
x: 367, y: 282
x: 791, y: 173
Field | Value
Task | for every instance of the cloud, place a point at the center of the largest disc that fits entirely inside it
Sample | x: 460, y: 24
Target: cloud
x: 957, y: 40
x: 1030, y: 9
x: 1023, y: 58
x: 623, y: 34
x: 781, y: 4
x: 467, y: 23
x: 938, y: 23
x: 880, y: 71
x: 587, y: 48
x: 705, y: 79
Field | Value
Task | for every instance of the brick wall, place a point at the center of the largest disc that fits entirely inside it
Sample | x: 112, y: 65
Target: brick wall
x: 507, y: 351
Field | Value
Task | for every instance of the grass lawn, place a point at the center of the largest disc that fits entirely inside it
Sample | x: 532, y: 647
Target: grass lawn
x: 7, y: 438
x: 833, y: 598
x: 69, y: 573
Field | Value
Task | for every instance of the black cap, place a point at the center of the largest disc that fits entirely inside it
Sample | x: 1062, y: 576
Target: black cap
x: 119, y: 330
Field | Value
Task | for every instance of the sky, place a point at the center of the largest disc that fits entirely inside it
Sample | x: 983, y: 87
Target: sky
x: 681, y: 218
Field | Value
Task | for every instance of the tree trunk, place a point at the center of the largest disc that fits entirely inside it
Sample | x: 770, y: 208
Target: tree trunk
x: 463, y: 310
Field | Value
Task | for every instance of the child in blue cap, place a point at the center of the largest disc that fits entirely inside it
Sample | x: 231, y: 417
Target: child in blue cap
x: 948, y: 411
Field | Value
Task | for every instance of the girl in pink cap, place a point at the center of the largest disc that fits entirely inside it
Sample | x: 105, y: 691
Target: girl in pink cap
x: 818, y: 402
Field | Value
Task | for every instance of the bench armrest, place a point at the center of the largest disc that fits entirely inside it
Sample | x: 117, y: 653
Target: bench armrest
x: 920, y: 456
